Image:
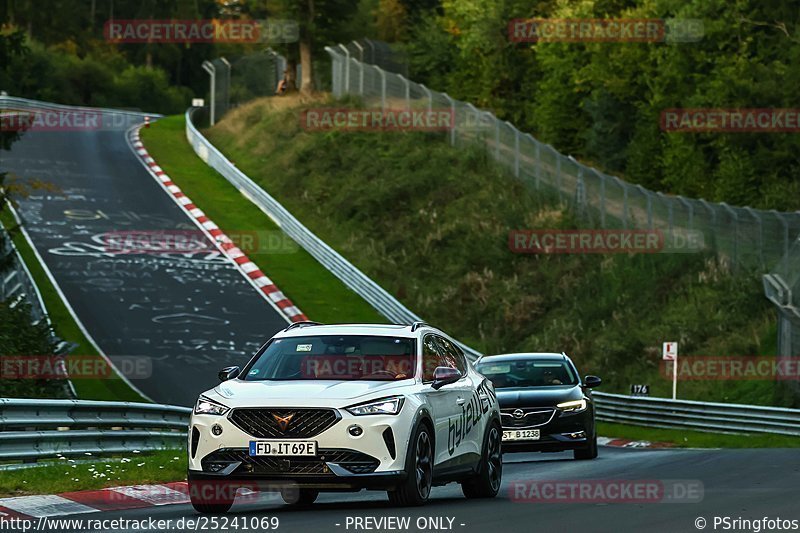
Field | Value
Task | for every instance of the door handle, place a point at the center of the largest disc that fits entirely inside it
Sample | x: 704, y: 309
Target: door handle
x: 460, y: 401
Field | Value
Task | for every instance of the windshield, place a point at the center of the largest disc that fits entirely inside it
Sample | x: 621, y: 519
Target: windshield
x: 527, y: 373
x: 335, y: 357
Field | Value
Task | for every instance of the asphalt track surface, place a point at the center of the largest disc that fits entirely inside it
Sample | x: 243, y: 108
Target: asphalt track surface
x: 734, y: 483
x: 169, y: 321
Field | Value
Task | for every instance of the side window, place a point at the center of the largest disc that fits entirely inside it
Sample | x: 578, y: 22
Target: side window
x: 430, y: 357
x: 452, y: 355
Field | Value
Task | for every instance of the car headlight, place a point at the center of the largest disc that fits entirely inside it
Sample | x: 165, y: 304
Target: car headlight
x: 206, y: 406
x: 575, y: 406
x: 384, y: 406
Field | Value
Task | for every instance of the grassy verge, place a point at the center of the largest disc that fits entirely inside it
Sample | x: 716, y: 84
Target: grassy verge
x: 696, y: 439
x: 319, y: 294
x: 431, y: 224
x: 65, y: 326
x: 67, y: 475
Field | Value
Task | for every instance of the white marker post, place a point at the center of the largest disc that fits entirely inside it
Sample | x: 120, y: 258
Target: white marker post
x: 669, y: 352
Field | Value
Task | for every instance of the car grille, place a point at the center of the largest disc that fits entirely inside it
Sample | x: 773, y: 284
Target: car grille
x: 532, y: 417
x: 355, y: 462
x: 262, y: 423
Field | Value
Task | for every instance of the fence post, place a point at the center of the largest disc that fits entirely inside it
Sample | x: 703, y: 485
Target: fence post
x: 383, y: 88
x: 624, y: 202
x: 346, y: 68
x: 558, y: 176
x: 372, y: 48
x: 735, y: 232
x: 538, y: 173
x: 646, y: 194
x: 785, y: 256
x: 690, y: 208
x: 430, y: 97
x: 360, y: 68
x: 208, y: 66
x: 760, y: 233
x: 336, y: 74
x: 516, y: 150
x: 602, y: 197
x: 408, y: 91
x: 227, y: 84
x: 453, y: 115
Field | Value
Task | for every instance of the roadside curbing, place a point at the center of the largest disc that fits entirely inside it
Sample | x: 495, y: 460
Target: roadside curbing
x: 247, y: 267
x: 140, y: 496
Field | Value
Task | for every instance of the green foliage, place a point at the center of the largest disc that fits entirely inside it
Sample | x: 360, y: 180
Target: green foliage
x: 53, y: 74
x: 603, y: 101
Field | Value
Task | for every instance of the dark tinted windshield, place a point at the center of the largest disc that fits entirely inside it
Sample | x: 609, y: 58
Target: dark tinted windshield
x: 335, y: 357
x: 527, y: 373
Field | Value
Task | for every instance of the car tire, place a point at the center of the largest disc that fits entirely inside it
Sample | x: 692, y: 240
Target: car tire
x: 416, y: 489
x: 220, y: 503
x: 486, y: 482
x: 299, y: 497
x: 590, y: 452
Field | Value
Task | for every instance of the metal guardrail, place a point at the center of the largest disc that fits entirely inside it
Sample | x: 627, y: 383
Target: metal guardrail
x: 696, y: 416
x: 17, y: 103
x: 37, y: 429
x: 352, y: 277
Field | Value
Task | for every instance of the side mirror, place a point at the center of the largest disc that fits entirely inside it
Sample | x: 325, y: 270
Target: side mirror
x: 591, y: 381
x: 444, y: 375
x: 229, y: 372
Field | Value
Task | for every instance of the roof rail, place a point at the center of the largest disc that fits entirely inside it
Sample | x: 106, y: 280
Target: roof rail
x: 302, y: 323
x: 416, y: 325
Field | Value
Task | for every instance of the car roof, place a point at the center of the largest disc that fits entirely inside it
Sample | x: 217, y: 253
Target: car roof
x: 394, y: 330
x: 544, y: 356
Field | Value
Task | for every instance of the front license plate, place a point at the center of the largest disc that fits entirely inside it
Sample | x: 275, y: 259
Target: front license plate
x: 521, y: 434
x: 283, y: 448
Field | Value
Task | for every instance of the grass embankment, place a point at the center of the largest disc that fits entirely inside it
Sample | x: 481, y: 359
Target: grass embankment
x: 319, y: 294
x: 65, y: 326
x: 696, y: 439
x: 67, y: 475
x: 431, y: 224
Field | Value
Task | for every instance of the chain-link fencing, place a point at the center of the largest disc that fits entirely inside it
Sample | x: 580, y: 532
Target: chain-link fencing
x: 741, y: 237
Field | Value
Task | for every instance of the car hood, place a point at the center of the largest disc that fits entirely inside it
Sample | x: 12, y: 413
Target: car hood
x: 537, y: 396
x: 301, y: 393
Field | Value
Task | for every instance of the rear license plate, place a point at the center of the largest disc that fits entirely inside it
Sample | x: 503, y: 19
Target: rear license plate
x: 521, y: 434
x: 283, y: 448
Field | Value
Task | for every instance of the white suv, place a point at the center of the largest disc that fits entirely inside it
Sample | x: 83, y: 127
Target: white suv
x: 343, y: 408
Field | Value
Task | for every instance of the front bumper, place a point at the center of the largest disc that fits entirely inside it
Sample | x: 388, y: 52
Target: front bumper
x: 562, y: 432
x: 342, y: 459
x: 338, y: 480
